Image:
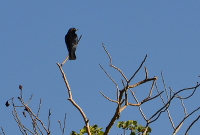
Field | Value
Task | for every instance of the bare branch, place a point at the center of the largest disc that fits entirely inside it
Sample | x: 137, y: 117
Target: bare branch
x: 65, y: 80
x: 111, y: 65
x: 192, y: 124
x: 64, y: 124
x: 63, y: 129
x: 49, y: 121
x: 152, y: 86
x: 29, y: 99
x: 35, y: 116
x: 65, y: 60
x: 184, y: 108
x: 164, y: 85
x: 148, y: 99
x: 111, y: 80
x: 140, y: 109
x: 3, y: 131
x: 39, y: 107
x: 181, y: 123
x: 108, y: 98
x: 137, y: 70
x: 168, y: 112
x: 114, y: 118
x: 72, y: 101
x: 143, y: 81
x: 146, y: 72
x: 167, y: 104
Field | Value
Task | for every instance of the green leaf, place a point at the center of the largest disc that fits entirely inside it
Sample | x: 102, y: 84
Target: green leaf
x: 83, y: 130
x: 134, y: 122
x: 133, y: 133
x: 73, y: 133
x: 101, y: 133
x: 149, y: 129
x: 119, y: 124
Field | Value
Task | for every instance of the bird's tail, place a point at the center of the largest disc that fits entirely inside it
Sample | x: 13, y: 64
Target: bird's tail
x: 72, y: 56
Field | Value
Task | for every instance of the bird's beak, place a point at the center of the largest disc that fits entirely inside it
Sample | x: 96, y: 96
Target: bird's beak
x: 76, y: 29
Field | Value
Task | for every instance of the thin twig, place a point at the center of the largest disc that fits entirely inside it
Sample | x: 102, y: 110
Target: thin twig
x: 64, y: 124
x: 143, y: 81
x: 192, y: 124
x: 111, y: 80
x: 152, y: 87
x: 72, y: 101
x: 111, y: 65
x: 39, y: 107
x: 181, y: 123
x: 108, y: 98
x: 137, y: 69
x: 140, y: 109
x: 29, y: 99
x: 49, y: 121
x: 146, y: 72
x: 168, y: 112
x: 164, y: 85
x: 3, y: 131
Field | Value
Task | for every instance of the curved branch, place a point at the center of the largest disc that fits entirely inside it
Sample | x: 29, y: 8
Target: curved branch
x: 111, y: 65
x: 192, y: 124
x: 72, y: 101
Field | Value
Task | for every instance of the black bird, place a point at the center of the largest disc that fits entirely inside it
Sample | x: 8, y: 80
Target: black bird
x: 71, y: 40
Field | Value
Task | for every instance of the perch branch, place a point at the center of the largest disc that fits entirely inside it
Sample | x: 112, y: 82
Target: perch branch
x: 72, y: 101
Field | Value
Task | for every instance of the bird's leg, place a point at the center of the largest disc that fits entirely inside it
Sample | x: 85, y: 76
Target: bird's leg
x: 65, y: 60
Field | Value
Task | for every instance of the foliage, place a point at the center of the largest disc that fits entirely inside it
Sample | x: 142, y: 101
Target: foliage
x: 133, y: 126
x: 95, y: 130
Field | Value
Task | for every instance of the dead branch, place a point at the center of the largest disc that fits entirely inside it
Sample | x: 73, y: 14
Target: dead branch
x: 123, y: 92
x: 140, y: 109
x: 39, y: 107
x: 192, y: 124
x: 63, y: 129
x: 143, y: 101
x: 72, y: 101
x: 24, y: 130
x: 181, y: 123
x: 143, y: 81
x: 138, y: 70
x: 111, y: 65
x: 168, y: 112
x: 164, y: 85
x: 49, y: 121
x: 111, y: 80
x: 108, y: 98
x: 3, y: 131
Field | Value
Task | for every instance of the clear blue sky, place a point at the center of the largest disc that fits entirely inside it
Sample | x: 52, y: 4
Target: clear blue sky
x: 32, y: 41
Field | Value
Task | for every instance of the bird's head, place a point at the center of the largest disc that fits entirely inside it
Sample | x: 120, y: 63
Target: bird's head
x: 73, y: 29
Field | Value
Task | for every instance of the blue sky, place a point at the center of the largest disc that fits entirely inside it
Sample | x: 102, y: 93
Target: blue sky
x: 32, y: 41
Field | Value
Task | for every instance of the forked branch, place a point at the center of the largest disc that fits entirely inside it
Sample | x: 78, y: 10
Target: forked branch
x: 122, y: 99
